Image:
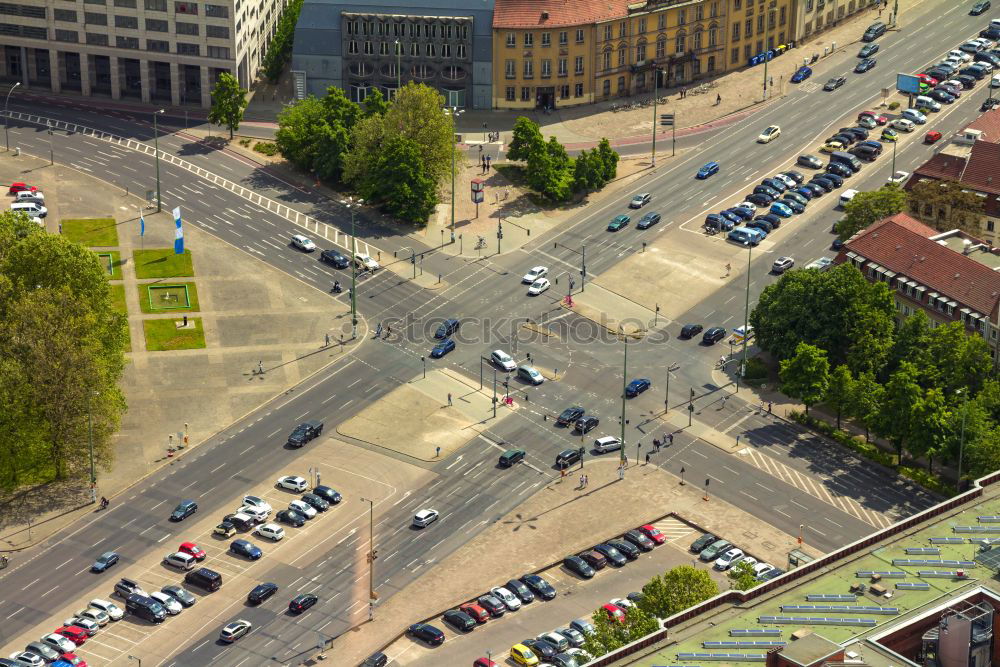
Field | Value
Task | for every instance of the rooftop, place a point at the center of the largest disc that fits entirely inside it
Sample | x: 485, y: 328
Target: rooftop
x: 527, y: 14
x: 989, y: 124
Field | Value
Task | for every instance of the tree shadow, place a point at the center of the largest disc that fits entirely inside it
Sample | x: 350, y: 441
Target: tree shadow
x: 39, y: 503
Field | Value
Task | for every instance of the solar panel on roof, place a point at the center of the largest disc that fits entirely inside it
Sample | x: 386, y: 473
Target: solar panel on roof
x: 840, y: 608
x: 913, y: 585
x: 819, y: 597
x: 758, y: 632
x: 739, y: 657
x: 821, y: 620
x: 988, y: 519
x: 946, y: 540
x: 984, y: 540
x: 885, y: 574
x: 947, y: 574
x: 921, y: 561
x: 743, y: 644
x: 976, y: 529
x: 923, y: 550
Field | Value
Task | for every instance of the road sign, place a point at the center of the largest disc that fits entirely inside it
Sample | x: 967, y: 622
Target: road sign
x: 666, y: 119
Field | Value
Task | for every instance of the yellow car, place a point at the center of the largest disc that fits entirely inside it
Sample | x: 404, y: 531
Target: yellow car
x: 523, y: 655
x: 831, y: 146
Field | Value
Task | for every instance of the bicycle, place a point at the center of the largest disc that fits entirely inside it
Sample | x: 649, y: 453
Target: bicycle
x: 481, y: 243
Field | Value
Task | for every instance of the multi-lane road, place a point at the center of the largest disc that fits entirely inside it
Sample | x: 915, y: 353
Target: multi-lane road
x: 787, y: 478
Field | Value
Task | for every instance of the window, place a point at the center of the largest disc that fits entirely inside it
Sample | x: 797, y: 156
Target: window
x: 607, y: 87
x: 525, y: 94
x: 131, y: 43
x: 67, y: 15
x: 463, y: 32
x: 734, y: 56
x: 606, y: 60
x: 93, y: 18
x: 748, y: 28
x: 736, y: 31
x: 511, y: 39
x: 608, y: 34
x: 158, y: 45
x: 563, y: 38
x: 642, y: 26
x: 218, y: 52
x: 661, y: 47
x: 128, y: 4
x: 622, y: 56
x: 446, y: 50
x: 622, y: 29
x: 546, y: 39
x: 699, y: 13
x: 782, y: 17
x: 695, y: 67
x: 578, y: 90
x: 156, y: 25
x: 738, y: 4
x: 94, y: 2
x: 529, y: 69
x: 96, y: 39
x: 621, y: 85
x: 681, y: 17
x: 414, y: 49
x: 529, y: 40
x: 679, y: 46
x: 510, y: 69
x: 352, y: 46
x: 990, y: 226
x: 188, y: 49
x: 67, y: 36
x: 218, y: 31
x: 369, y: 49
x: 579, y: 36
x: 578, y: 65
x: 760, y: 46
x: 186, y: 8
x: 771, y: 20
x: 661, y: 21
x: 546, y: 69
x: 711, y: 63
x: 155, y: 5
x: 564, y: 92
x: 509, y: 93
x: 713, y: 38
x: 697, y: 40
x: 461, y: 52
x: 714, y: 10
x: 760, y: 23
x: 130, y: 22
x: 640, y: 53
x: 430, y: 50
x: 563, y: 67
x: 186, y: 28
x: 219, y: 11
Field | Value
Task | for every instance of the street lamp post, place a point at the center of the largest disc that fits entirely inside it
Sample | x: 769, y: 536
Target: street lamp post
x: 48, y: 130
x: 961, y: 441
x: 656, y: 93
x: 156, y: 149
x: 372, y: 555
x: 454, y: 112
x: 352, y: 204
x: 893, y: 174
x: 746, y: 319
x: 139, y: 660
x: 90, y: 439
x: 6, y: 136
x: 624, y: 383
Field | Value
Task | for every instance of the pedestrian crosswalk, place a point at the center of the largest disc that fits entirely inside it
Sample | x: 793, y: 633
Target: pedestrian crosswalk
x: 673, y: 529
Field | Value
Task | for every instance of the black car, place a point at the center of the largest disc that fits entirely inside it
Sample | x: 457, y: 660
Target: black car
x: 570, y: 415
x: 578, y: 566
x: 491, y: 604
x: 291, y: 517
x: 797, y: 196
x: 180, y: 594
x: 816, y: 190
x: 691, y: 330
x: 837, y: 244
x: 699, y: 545
x: 567, y: 457
x: 245, y: 549
x: 183, y: 510
x: 794, y: 175
x: 459, y: 620
x: 327, y: 494
x: 518, y: 588
x: 762, y: 225
x: 376, y: 660
x: 941, y: 95
x: 539, y: 586
x: 772, y: 574
x: 614, y: 556
x: 835, y: 82
x: 859, y: 132
x: 864, y: 65
x: 305, y: 432
x: 314, y: 501
x: 262, y: 592
x: 760, y: 199
x: 771, y: 219
x: 975, y: 72
x: 966, y: 81
x: 628, y: 549
x: 979, y: 7
x: 302, y: 602
x: 447, y: 328
x: 834, y: 176
x: 822, y: 182
x: 544, y: 650
x: 333, y: 257
x: 586, y: 423
x: 775, y: 184
x: 713, y: 335
x: 839, y: 170
x: 647, y: 221
x: 810, y: 161
x: 793, y: 204
x: 868, y: 50
x: 846, y: 138
x: 639, y: 539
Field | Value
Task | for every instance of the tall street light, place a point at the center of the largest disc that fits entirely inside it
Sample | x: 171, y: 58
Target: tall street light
x: 352, y: 204
x: 399, y: 79
x: 372, y: 555
x: 656, y: 93
x: 90, y: 440
x: 139, y: 660
x: 454, y: 112
x: 6, y: 136
x: 746, y: 319
x: 156, y: 148
x: 961, y: 442
x: 623, y: 458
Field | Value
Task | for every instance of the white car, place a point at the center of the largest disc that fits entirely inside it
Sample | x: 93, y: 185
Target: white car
x: 257, y: 514
x: 608, y: 443
x: 234, y: 631
x: 903, y: 124
x: 27, y: 195
x: 726, y: 560
x: 27, y: 659
x: 985, y: 43
x: 622, y: 603
x: 303, y: 243
x: 113, y: 611
x: 770, y: 133
x: 960, y: 55
x: 503, y: 360
x: 534, y: 274
x: 95, y: 615
x: 505, y: 596
x: 172, y: 606
x: 292, y: 483
x: 915, y: 116
x: 83, y: 623
x: 365, y: 261
x: 899, y: 177
x: 303, y: 508
x: 971, y: 47
x: 995, y: 82
x: 788, y: 180
x: 424, y: 518
x: 986, y: 65
x: 59, y: 643
x: 748, y: 205
x: 271, y: 531
x: 539, y: 286
x: 760, y: 569
x: 254, y: 501
x: 180, y: 560
x: 749, y: 560
x: 640, y: 200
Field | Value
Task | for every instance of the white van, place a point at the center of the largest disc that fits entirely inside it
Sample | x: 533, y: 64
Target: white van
x: 924, y: 102
x: 31, y: 208
x: 27, y: 195
x: 995, y: 23
x: 846, y: 196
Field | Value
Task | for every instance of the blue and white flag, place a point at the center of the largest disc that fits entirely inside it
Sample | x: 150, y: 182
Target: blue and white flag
x: 179, y: 234
x: 142, y: 225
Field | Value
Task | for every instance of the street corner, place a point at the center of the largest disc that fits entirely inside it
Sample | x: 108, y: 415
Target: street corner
x: 630, y: 318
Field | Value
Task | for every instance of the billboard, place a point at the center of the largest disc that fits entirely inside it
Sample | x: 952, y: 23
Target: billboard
x: 908, y: 83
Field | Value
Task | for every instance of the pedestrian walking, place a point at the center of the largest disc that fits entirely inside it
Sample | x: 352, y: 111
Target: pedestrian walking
x: 729, y: 269
x: 769, y: 407
x: 718, y: 99
x: 647, y: 458
x: 724, y: 399
x: 621, y: 472
x: 762, y: 405
x: 480, y: 148
x: 437, y: 452
x: 670, y: 438
x: 260, y: 367
x: 449, y: 398
x: 388, y: 330
x: 529, y: 357
x: 327, y: 341
x: 586, y: 481
x: 378, y: 330
x: 581, y: 481
x: 656, y: 445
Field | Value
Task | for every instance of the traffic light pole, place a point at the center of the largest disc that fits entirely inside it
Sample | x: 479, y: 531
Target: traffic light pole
x: 372, y: 555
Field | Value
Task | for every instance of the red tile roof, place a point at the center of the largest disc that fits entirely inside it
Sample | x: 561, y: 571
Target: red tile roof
x: 989, y: 123
x: 903, y: 245
x: 942, y: 167
x: 526, y: 14
x: 983, y: 169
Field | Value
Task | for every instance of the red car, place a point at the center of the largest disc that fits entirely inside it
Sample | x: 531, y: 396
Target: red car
x: 73, y: 633
x: 929, y: 80
x: 475, y: 611
x: 653, y: 534
x: 192, y: 549
x: 614, y: 612
x: 20, y: 187
x: 73, y: 659
x: 931, y: 137
x: 484, y: 662
x: 879, y: 119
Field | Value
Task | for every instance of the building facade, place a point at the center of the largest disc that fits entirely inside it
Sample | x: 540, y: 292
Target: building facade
x: 361, y: 47
x: 151, y: 51
x: 815, y: 16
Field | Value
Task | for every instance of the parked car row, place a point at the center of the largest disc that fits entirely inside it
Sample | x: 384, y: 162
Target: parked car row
x: 725, y: 555
x: 763, y: 209
x: 28, y: 199
x: 973, y: 61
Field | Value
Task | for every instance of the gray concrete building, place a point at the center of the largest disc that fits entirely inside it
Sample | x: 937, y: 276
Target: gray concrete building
x: 360, y: 47
x: 153, y: 51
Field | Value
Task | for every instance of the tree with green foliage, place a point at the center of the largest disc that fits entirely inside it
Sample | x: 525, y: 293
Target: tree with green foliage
x: 911, y: 343
x: 526, y: 140
x: 588, y: 172
x: 375, y: 104
x: 610, y: 635
x: 975, y: 431
x: 548, y: 172
x: 946, y: 205
x: 314, y: 134
x: 958, y: 359
x: 867, y: 208
x: 865, y: 399
x: 279, y: 51
x: 229, y: 101
x: 609, y: 160
x: 742, y: 576
x: 398, y: 179
x: 929, y: 423
x: 676, y: 590
x: 806, y: 375
x: 840, y: 390
x: 902, y: 393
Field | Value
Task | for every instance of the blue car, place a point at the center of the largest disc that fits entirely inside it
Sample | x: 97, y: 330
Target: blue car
x: 636, y: 387
x: 805, y: 192
x: 872, y: 143
x: 781, y: 209
x: 104, y: 561
x: 245, y: 549
x: 708, y: 170
x: 716, y: 221
x: 730, y: 216
x: 801, y: 74
x: 797, y: 207
x: 442, y: 348
x: 740, y: 212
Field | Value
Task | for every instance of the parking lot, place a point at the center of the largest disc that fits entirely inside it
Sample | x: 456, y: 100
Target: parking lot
x: 576, y: 598
x: 358, y: 474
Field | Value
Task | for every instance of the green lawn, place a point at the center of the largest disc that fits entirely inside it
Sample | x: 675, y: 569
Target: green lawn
x: 118, y: 299
x: 164, y: 335
x: 192, y: 297
x: 91, y: 232
x: 116, y: 263
x: 162, y: 263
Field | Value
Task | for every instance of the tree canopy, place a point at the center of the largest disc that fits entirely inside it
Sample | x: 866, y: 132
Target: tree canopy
x: 229, y: 101
x: 946, y: 205
x: 866, y: 208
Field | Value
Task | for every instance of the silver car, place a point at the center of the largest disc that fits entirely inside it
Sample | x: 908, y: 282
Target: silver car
x: 574, y: 636
x: 47, y: 652
x: 169, y: 603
